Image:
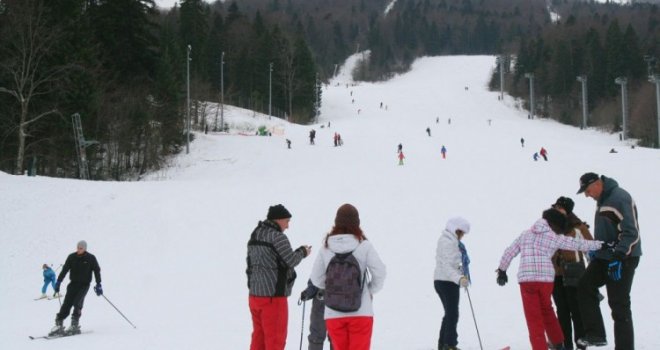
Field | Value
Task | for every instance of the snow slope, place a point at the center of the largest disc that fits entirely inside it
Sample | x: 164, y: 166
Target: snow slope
x: 172, y: 249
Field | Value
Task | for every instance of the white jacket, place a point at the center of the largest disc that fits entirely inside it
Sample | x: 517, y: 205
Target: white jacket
x: 368, y: 259
x: 448, y: 258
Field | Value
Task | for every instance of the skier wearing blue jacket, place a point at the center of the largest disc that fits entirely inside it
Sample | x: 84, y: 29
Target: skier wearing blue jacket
x: 49, y: 278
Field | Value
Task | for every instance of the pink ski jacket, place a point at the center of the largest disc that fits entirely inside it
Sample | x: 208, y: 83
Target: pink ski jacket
x: 536, y: 247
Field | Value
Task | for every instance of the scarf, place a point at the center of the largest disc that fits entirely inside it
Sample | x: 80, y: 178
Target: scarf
x: 465, y: 259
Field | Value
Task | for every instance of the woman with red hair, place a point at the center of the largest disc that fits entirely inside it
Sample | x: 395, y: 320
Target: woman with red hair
x: 349, y: 330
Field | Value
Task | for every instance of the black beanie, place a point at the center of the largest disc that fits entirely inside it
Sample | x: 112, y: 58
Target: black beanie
x: 347, y: 216
x: 276, y: 212
x: 556, y: 220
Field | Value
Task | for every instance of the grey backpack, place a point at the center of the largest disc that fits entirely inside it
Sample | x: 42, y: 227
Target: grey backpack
x: 344, y: 283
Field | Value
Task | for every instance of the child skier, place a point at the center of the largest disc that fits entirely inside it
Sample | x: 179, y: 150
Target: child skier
x: 49, y: 278
x: 536, y: 274
x: 443, y: 150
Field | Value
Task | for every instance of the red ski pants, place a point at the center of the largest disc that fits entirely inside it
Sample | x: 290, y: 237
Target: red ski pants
x: 270, y: 317
x: 350, y: 333
x: 540, y: 315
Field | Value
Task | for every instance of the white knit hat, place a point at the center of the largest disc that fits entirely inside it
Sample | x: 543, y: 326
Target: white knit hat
x: 458, y: 223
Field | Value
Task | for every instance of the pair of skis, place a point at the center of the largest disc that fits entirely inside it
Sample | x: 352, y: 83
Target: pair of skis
x: 47, y: 298
x: 56, y: 336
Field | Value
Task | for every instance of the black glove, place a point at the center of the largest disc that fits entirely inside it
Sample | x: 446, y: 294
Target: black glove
x: 57, y: 287
x: 303, y: 250
x: 98, y: 289
x: 608, y: 246
x: 502, y: 278
x: 308, y: 293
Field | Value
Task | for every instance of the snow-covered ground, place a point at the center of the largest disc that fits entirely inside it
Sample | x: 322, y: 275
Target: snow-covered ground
x: 172, y: 248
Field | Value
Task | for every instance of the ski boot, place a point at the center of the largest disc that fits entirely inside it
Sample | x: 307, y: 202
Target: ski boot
x: 74, y: 328
x: 58, y: 329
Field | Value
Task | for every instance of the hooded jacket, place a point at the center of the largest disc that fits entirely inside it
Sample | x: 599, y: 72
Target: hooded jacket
x: 536, y: 247
x: 368, y: 259
x: 448, y: 258
x: 616, y: 221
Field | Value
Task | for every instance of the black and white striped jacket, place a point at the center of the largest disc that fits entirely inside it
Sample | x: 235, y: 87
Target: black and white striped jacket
x: 270, y: 261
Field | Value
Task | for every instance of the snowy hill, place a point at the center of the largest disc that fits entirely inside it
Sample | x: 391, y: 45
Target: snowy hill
x: 172, y: 248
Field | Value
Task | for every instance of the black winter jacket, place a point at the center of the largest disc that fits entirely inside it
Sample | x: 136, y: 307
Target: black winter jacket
x: 81, y: 267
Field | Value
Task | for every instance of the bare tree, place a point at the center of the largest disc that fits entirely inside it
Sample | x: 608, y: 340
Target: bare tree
x: 25, y: 49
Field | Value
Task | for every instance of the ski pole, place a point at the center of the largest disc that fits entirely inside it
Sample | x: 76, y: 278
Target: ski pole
x: 302, y: 327
x: 113, y: 305
x: 474, y: 318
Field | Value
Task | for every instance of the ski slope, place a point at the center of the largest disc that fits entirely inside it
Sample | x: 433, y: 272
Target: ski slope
x: 172, y: 247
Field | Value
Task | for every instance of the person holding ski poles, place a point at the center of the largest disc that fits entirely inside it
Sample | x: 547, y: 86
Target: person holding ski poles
x: 536, y: 274
x: 451, y: 273
x: 317, y: 330
x: 49, y: 278
x: 81, y: 264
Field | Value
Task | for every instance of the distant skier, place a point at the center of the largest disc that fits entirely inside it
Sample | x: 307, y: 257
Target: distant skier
x: 399, y: 148
x: 449, y: 121
x: 613, y: 151
x: 489, y: 121
x: 428, y: 131
x: 536, y: 156
x: 339, y: 140
x: 336, y: 139
x: 312, y: 135
x: 544, y: 154
x: 437, y: 120
x: 401, y: 158
x: 522, y: 142
x: 381, y: 105
x: 443, y: 150
x: 81, y: 264
x: 288, y: 143
x: 49, y: 278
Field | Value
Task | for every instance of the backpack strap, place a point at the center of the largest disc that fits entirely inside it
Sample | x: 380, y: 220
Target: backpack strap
x: 282, y: 268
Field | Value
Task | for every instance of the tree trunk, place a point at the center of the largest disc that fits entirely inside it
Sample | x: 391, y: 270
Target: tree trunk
x: 21, y: 140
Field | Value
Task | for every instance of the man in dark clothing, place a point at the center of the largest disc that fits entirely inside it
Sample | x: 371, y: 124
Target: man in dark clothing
x: 81, y: 264
x: 271, y: 274
x: 616, y: 225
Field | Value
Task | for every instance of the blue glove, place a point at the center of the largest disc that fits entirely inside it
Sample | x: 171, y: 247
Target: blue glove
x: 614, y: 270
x: 57, y: 287
x: 98, y: 289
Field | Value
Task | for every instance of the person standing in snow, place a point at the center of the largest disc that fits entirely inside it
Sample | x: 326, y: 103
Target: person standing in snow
x: 317, y: 330
x: 544, y: 154
x: 312, y: 135
x: 270, y: 273
x: 522, y: 142
x: 536, y: 156
x: 616, y: 224
x: 49, y: 278
x: 569, y: 266
x: 401, y: 158
x: 336, y: 139
x: 428, y: 131
x: 350, y: 330
x: 536, y: 274
x: 443, y: 150
x: 82, y: 265
x: 288, y: 144
x: 451, y: 273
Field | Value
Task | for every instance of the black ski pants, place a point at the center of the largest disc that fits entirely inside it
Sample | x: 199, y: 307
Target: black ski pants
x: 568, y: 312
x: 618, y: 297
x: 75, y: 297
x: 449, y: 296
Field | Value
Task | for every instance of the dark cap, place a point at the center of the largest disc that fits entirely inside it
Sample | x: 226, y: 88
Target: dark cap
x: 566, y: 203
x: 586, y: 180
x: 277, y: 212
